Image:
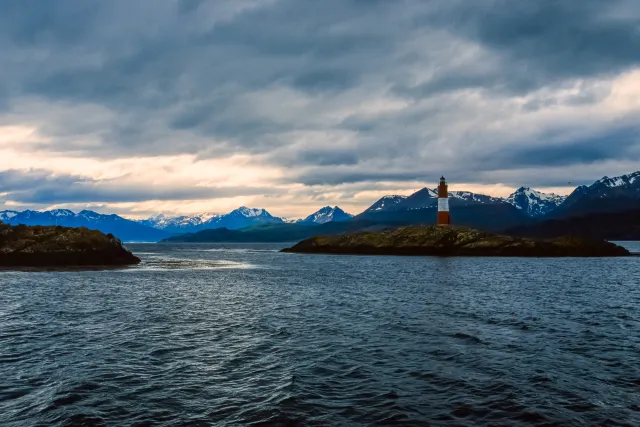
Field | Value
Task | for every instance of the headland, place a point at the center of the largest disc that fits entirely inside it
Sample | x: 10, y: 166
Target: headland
x: 54, y: 246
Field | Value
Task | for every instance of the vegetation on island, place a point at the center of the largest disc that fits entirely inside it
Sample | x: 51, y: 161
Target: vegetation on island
x: 56, y: 246
x: 454, y: 241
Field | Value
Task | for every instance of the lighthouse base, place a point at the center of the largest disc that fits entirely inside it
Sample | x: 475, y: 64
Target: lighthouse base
x: 444, y: 219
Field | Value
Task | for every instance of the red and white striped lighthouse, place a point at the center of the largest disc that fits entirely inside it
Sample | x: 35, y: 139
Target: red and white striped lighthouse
x: 444, y: 218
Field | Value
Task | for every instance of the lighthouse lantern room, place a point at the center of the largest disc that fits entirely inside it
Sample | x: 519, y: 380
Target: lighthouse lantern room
x: 444, y: 218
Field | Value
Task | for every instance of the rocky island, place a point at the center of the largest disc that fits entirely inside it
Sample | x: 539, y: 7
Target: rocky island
x: 55, y: 246
x: 454, y: 241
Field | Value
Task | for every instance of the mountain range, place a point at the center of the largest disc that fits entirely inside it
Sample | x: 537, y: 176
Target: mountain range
x: 523, y: 207
x: 239, y: 218
x: 124, y: 229
x: 531, y: 202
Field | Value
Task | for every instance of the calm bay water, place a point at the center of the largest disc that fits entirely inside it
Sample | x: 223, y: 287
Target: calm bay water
x: 244, y: 335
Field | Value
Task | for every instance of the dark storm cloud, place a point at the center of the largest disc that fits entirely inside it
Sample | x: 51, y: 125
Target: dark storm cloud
x: 42, y: 187
x: 616, y: 144
x: 539, y: 43
x: 239, y: 76
x: 562, y: 37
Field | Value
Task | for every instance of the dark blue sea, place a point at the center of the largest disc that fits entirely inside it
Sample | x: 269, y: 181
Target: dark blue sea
x: 242, y: 335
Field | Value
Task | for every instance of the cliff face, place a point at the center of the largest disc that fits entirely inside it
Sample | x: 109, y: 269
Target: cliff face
x: 59, y: 246
x: 454, y: 241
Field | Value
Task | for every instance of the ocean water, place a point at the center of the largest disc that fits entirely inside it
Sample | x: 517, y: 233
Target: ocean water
x: 245, y: 335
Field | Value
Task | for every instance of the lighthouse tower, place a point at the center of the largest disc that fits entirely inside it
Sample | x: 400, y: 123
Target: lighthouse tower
x: 444, y: 218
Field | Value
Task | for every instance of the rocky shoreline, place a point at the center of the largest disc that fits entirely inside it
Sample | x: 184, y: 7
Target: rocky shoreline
x: 454, y: 241
x: 54, y: 246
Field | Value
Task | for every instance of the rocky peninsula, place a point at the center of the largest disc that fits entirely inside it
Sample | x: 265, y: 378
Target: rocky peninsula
x: 454, y: 241
x: 55, y: 246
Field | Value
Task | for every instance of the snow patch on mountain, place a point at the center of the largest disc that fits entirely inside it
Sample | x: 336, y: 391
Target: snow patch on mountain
x: 619, y: 181
x: 163, y: 222
x: 61, y: 212
x: 290, y: 220
x: 7, y: 215
x: 90, y: 215
x: 468, y: 196
x: 251, y: 212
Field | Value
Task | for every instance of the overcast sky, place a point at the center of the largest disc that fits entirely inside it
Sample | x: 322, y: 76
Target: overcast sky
x: 185, y: 106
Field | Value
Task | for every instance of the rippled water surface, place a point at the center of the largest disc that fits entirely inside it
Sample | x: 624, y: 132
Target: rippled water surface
x: 239, y: 335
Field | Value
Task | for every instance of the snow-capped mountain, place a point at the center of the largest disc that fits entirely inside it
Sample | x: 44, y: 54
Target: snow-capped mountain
x: 122, y: 228
x: 534, y: 203
x: 386, y: 203
x: 605, y: 195
x: 619, y: 186
x: 327, y: 214
x: 178, y: 224
x: 239, y: 218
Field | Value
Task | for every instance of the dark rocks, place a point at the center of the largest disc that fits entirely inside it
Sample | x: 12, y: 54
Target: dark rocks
x: 55, y: 246
x: 454, y: 241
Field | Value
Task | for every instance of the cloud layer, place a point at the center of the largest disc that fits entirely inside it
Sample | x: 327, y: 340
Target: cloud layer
x: 274, y: 102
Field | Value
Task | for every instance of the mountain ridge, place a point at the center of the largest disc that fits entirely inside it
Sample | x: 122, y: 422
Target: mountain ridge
x: 122, y: 228
x: 604, y: 195
x: 530, y: 201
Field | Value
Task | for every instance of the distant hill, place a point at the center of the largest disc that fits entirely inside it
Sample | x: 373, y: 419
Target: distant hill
x: 600, y: 225
x: 124, y: 229
x: 285, y: 232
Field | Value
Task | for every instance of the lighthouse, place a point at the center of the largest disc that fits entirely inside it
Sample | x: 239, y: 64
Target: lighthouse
x: 444, y: 218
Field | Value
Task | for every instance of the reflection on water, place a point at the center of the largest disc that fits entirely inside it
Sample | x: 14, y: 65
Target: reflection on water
x: 158, y: 263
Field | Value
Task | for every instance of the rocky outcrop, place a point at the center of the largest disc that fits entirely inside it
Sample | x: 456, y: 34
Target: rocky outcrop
x: 454, y: 241
x: 37, y: 246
